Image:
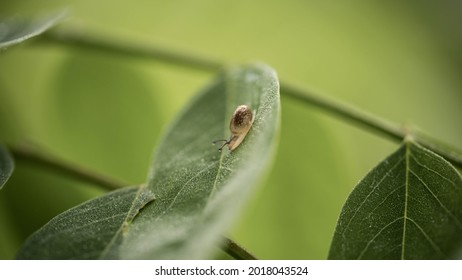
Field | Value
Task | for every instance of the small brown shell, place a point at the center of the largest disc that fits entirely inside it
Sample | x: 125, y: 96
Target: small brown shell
x: 240, y: 124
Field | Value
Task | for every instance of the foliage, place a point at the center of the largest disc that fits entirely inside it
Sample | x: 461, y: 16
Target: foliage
x: 408, y: 207
x: 195, y: 190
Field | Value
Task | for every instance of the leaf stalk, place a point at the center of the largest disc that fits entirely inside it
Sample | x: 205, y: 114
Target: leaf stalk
x: 65, y: 168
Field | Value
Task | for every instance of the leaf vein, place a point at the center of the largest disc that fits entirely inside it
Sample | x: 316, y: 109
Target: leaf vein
x: 388, y: 195
x: 127, y: 218
x: 377, y: 235
x: 406, y: 196
x: 100, y: 206
x: 427, y: 237
x: 459, y: 224
x: 182, y: 188
x: 370, y: 193
x: 70, y: 229
x: 433, y: 171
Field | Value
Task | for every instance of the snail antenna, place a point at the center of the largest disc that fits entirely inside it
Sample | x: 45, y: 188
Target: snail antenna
x: 226, y: 142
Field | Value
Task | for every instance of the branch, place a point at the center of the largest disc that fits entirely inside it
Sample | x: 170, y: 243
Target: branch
x: 372, y: 123
x: 346, y: 112
x: 236, y: 251
x: 81, y: 39
x: 73, y: 38
x: 65, y: 168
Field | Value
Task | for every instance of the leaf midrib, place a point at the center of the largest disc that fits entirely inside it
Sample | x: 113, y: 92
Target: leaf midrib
x: 406, y: 190
x: 409, y: 172
x: 125, y: 222
x: 229, y: 93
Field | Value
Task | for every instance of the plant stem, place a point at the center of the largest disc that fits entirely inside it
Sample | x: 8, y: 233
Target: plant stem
x: 65, y: 168
x: 73, y: 38
x: 344, y: 111
x: 374, y: 124
x: 236, y: 251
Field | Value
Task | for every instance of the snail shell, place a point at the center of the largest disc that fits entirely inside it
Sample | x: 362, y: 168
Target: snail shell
x: 240, y: 124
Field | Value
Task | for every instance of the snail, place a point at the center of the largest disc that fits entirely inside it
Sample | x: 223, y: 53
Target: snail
x: 240, y: 124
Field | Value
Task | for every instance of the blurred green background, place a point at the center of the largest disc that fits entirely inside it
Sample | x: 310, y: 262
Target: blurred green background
x: 397, y: 59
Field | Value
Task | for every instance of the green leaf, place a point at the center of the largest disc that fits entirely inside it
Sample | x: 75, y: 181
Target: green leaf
x: 16, y: 31
x: 198, y: 190
x: 6, y: 166
x: 91, y: 230
x: 408, y: 207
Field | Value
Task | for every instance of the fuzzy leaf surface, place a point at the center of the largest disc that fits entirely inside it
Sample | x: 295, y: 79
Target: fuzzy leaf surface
x: 91, y: 230
x: 198, y: 190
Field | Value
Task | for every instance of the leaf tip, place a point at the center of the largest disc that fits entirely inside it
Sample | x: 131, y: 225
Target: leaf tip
x: 6, y: 166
